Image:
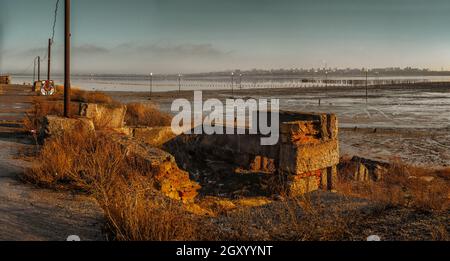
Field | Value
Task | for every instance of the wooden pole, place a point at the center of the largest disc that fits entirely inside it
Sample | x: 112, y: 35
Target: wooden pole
x: 49, y: 59
x: 67, y: 60
x: 39, y: 69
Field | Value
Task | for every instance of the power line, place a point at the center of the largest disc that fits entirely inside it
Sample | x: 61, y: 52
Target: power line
x: 53, y: 37
x: 54, y: 20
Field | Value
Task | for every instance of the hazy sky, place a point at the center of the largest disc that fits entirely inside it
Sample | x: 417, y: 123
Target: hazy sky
x: 171, y: 36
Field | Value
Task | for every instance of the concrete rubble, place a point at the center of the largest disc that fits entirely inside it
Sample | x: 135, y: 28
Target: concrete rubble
x: 365, y: 170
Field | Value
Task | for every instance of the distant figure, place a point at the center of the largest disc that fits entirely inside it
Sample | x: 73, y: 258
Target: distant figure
x: 320, y: 101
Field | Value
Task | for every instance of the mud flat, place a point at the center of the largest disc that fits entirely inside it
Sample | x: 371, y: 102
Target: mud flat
x: 410, y: 122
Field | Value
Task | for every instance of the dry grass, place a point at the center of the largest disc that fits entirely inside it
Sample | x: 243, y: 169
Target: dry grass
x: 41, y: 108
x: 96, y: 165
x: 146, y: 115
x: 136, y: 213
x: 137, y: 114
x: 78, y: 95
x: 403, y: 186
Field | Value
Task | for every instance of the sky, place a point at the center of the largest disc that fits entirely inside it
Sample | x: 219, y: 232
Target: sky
x: 188, y: 36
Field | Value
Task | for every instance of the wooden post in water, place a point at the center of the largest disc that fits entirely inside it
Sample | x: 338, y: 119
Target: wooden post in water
x: 67, y: 36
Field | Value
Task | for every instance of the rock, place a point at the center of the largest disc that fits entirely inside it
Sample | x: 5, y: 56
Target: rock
x: 365, y: 170
x: 361, y: 173
x: 104, y: 116
x: 57, y: 126
x: 253, y: 202
x: 427, y: 179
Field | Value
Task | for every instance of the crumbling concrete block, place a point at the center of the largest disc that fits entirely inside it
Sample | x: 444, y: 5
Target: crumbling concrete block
x: 104, y: 116
x: 57, y: 126
x: 297, y: 186
x: 298, y: 159
x: 154, y: 136
x: 169, y: 178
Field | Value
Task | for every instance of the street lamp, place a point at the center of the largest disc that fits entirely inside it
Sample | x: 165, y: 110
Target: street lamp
x: 232, y: 83
x: 240, y: 80
x: 151, y: 85
x: 367, y: 86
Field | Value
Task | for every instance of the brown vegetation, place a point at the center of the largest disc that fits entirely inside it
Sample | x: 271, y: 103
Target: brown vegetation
x: 96, y: 165
x: 146, y: 115
x: 403, y: 185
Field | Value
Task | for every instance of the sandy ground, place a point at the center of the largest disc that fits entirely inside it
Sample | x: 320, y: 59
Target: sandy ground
x: 411, y: 123
x: 26, y: 212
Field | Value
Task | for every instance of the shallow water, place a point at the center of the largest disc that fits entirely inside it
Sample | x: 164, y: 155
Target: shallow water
x: 142, y: 83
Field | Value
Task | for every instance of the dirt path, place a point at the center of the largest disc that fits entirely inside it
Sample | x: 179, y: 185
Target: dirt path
x: 28, y: 213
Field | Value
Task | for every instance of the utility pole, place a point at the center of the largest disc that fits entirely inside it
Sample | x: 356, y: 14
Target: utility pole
x: 49, y: 59
x: 34, y: 72
x: 67, y: 36
x: 39, y: 69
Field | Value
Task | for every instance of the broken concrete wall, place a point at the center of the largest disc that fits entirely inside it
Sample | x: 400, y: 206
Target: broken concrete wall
x: 5, y: 79
x: 58, y: 126
x: 104, y: 116
x: 305, y: 157
x: 153, y: 136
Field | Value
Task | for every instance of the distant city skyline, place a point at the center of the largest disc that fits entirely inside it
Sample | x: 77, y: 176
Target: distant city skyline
x: 171, y: 36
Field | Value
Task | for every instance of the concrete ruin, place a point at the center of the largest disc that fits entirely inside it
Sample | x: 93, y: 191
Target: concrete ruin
x: 304, y: 160
x: 5, y: 79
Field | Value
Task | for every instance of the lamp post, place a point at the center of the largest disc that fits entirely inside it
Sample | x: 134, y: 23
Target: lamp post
x: 367, y: 86
x: 151, y: 85
x: 240, y: 81
x: 232, y: 83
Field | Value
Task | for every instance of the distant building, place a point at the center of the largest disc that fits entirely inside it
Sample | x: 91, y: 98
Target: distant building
x: 5, y: 79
